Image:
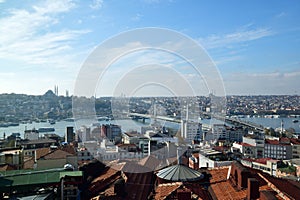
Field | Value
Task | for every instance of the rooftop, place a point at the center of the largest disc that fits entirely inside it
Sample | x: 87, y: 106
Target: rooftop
x: 56, y: 154
x: 222, y: 188
x: 164, y: 190
x: 26, y: 178
x: 40, y: 141
x: 179, y: 173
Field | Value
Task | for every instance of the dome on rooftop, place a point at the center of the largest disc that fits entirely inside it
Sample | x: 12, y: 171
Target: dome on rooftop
x: 179, y: 173
x: 49, y: 94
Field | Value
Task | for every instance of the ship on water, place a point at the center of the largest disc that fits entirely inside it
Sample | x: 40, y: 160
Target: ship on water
x: 46, y: 129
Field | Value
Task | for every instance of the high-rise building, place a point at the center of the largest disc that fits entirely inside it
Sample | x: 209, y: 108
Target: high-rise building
x: 190, y: 129
x: 111, y: 131
x: 69, y: 137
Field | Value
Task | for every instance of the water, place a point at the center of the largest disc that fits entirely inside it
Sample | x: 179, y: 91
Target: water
x: 60, y: 126
x: 276, y: 122
x: 128, y: 125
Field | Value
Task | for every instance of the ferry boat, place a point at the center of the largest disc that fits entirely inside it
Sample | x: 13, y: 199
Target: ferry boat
x: 46, y: 129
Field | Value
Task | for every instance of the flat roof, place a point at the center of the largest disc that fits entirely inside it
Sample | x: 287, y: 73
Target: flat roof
x: 18, y: 178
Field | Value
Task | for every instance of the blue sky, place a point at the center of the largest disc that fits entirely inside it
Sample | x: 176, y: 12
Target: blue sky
x: 255, y: 44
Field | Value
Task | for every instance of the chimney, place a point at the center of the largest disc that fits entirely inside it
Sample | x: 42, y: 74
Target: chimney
x: 119, y: 188
x: 253, y: 189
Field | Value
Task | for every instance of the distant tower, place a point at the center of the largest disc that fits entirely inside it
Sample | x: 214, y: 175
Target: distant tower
x: 190, y: 129
x: 67, y: 93
x: 281, y: 126
x: 56, y: 90
x: 69, y: 137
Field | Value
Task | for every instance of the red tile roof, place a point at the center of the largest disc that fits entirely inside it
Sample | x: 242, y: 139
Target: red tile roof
x: 295, y: 141
x: 245, y: 144
x: 41, y: 152
x: 288, y: 187
x: 139, y: 185
x: 164, y: 190
x: 69, y: 149
x: 106, y: 178
x: 222, y: 188
x: 273, y: 142
x: 285, y: 140
x: 56, y: 154
x: 262, y: 160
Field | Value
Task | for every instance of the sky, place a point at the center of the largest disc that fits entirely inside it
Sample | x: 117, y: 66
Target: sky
x: 254, y: 45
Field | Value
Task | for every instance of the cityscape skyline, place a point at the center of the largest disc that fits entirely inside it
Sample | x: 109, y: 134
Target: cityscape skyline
x: 253, y: 44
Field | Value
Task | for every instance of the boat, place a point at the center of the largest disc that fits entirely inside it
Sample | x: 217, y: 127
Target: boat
x: 46, y: 129
x: 4, y: 125
x: 69, y: 120
x: 13, y: 124
x: 52, y: 121
x: 295, y: 120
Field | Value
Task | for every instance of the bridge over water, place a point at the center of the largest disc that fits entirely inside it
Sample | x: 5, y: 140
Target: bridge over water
x: 230, y: 120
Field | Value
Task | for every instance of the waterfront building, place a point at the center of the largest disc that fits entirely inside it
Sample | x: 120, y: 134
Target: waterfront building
x: 278, y: 149
x: 31, y: 134
x: 83, y: 134
x: 112, y: 132
x: 69, y: 136
x: 191, y: 131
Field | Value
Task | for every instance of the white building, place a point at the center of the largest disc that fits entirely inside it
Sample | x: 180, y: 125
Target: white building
x: 105, y: 151
x: 266, y: 165
x: 210, y: 158
x: 222, y: 132
x: 31, y: 134
x: 190, y: 130
x: 251, y: 147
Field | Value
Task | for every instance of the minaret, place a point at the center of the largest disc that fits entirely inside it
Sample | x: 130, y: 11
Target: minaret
x: 56, y: 90
x: 281, y: 126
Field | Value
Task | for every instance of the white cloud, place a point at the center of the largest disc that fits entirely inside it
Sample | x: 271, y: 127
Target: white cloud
x: 97, y: 4
x: 280, y: 15
x: 25, y: 34
x: 241, y: 36
x: 2, y: 1
x: 263, y: 83
x: 57, y: 6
